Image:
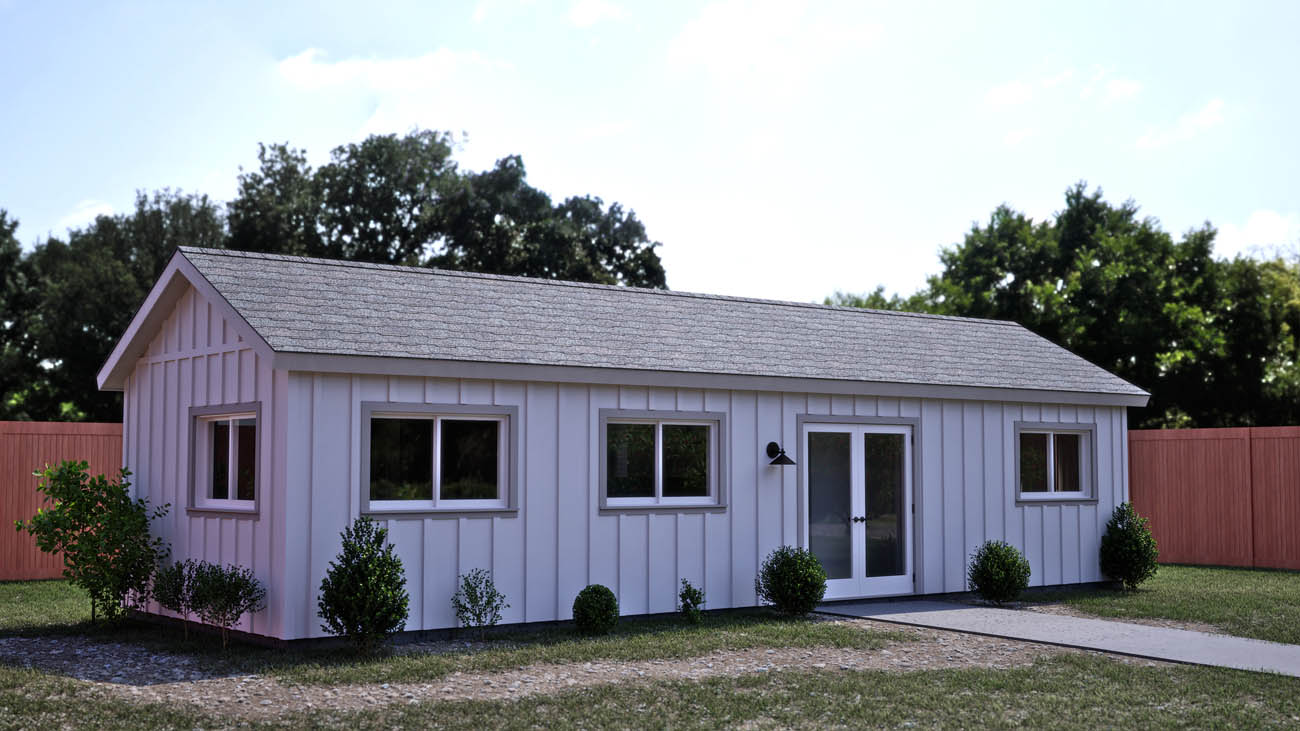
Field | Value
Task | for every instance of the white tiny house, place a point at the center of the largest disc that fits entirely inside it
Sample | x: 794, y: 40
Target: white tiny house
x: 562, y: 434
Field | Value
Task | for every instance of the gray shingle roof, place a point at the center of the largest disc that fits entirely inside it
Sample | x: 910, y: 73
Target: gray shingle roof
x: 333, y: 307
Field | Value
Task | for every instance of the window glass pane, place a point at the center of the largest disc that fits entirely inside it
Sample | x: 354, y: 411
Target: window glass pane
x: 1067, y: 457
x: 219, y: 487
x: 401, y: 459
x: 885, y: 476
x: 470, y: 459
x: 830, y: 502
x: 686, y: 460
x: 246, y: 458
x: 1033, y: 463
x: 630, y: 460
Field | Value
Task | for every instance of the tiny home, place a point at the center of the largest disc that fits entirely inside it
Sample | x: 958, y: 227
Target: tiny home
x: 562, y: 434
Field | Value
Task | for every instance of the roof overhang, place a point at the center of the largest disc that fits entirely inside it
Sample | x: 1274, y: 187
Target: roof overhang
x: 179, y: 276
x: 427, y: 368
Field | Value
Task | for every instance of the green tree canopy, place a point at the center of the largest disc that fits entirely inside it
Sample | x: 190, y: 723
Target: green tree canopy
x: 1213, y: 341
x: 391, y: 199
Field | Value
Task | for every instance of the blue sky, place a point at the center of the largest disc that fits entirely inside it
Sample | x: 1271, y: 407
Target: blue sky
x: 777, y: 149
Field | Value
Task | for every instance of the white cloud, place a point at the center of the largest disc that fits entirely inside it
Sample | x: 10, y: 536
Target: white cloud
x: 441, y: 90
x: 1265, y: 233
x: 83, y: 214
x: 1188, y: 126
x: 1055, y: 81
x: 1094, y: 80
x: 1122, y: 89
x: 766, y: 42
x: 1010, y: 94
x: 586, y: 13
x: 1016, y: 136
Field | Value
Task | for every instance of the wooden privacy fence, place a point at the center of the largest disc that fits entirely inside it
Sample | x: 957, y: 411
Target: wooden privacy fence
x: 1225, y: 497
x: 26, y: 446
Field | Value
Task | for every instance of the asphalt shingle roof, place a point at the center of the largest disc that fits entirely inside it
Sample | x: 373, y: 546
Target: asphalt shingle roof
x: 334, y: 307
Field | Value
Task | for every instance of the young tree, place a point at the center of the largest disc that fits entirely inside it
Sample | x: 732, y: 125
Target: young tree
x: 102, y: 533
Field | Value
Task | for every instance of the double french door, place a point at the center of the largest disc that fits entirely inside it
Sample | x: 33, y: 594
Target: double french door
x: 858, y: 481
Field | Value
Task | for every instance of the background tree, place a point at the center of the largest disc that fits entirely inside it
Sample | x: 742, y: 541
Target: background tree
x: 1213, y: 341
x: 390, y: 198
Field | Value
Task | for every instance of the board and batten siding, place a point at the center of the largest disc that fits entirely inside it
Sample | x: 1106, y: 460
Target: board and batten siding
x: 198, y: 359
x: 559, y: 541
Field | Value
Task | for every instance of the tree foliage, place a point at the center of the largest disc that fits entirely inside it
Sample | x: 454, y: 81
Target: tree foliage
x: 396, y: 199
x: 102, y: 534
x: 1214, y: 341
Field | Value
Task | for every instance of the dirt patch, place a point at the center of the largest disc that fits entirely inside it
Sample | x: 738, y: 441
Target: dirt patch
x: 128, y: 671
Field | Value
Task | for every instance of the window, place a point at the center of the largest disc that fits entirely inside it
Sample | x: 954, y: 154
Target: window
x: 653, y: 462
x: 225, y: 466
x: 436, y: 461
x: 1053, y: 463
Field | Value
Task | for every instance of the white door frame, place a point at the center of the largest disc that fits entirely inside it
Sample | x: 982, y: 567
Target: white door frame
x: 859, y: 585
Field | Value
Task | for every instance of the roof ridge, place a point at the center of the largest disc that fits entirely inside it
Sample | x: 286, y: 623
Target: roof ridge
x: 432, y: 271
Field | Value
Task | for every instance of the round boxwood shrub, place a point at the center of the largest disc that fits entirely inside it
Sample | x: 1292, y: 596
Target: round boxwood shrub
x: 595, y: 611
x: 792, y: 580
x: 363, y: 595
x: 1128, y: 550
x: 998, y: 572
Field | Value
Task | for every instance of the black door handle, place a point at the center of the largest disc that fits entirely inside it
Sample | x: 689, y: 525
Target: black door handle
x: 859, y: 519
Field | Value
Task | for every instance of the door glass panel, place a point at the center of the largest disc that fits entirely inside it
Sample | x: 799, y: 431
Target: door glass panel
x: 829, y: 502
x: 885, y: 475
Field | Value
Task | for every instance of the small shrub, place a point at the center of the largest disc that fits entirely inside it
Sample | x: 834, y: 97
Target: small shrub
x: 690, y: 602
x: 363, y: 595
x: 595, y: 610
x: 1128, y: 550
x: 173, y: 589
x: 220, y: 595
x: 102, y: 534
x: 477, y: 601
x: 997, y: 572
x: 792, y: 580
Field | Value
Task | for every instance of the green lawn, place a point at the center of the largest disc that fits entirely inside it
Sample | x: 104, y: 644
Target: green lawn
x: 1259, y: 603
x: 1066, y: 691
x: 40, y: 607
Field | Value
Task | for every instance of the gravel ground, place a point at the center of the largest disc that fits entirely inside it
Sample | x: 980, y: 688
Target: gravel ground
x: 132, y: 672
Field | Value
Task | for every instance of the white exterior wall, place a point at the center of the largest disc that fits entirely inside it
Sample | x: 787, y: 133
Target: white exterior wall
x: 559, y: 541
x: 197, y: 360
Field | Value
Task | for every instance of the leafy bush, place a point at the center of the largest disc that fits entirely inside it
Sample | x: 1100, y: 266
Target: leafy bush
x: 363, y: 595
x: 102, y: 533
x: 997, y: 572
x: 595, y: 610
x: 477, y: 601
x: 792, y: 580
x: 690, y: 602
x: 173, y: 588
x: 221, y: 595
x: 1128, y: 550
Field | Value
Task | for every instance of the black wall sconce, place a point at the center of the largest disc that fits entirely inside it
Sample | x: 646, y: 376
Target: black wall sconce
x: 777, y: 454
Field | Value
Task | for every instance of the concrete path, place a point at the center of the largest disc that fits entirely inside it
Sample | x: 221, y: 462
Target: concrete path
x: 1139, y: 640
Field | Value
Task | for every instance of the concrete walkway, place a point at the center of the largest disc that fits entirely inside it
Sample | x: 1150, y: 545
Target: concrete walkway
x: 1139, y: 640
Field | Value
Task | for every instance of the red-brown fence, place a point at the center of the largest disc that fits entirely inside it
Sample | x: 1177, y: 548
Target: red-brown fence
x: 26, y: 446
x: 1225, y: 497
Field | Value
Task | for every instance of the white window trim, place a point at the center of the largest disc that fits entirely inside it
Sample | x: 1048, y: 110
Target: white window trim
x: 717, y: 473
x: 200, y: 467
x: 504, y: 417
x: 1087, y: 434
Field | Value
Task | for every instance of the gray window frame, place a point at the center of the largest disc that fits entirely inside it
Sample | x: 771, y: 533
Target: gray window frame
x: 717, y: 421
x: 198, y: 414
x: 510, y: 415
x: 1088, y: 461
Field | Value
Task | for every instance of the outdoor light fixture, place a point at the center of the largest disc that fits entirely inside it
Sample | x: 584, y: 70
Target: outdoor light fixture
x: 777, y: 454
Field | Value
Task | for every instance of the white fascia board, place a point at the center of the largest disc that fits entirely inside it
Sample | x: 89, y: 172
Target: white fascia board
x: 154, y: 311
x: 382, y: 366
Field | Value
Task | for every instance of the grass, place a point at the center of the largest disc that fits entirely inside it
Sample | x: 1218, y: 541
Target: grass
x: 42, y: 607
x: 1065, y: 691
x: 1259, y: 603
x: 23, y: 610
